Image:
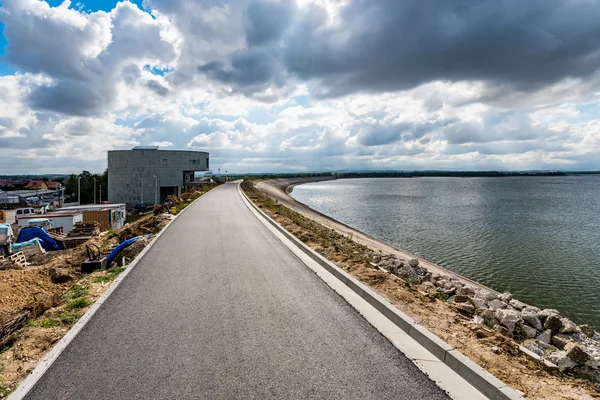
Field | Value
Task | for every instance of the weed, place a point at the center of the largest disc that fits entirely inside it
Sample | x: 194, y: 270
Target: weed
x: 46, y: 323
x: 75, y: 292
x: 111, y: 233
x: 442, y: 296
x: 69, y: 317
x: 109, y: 275
x: 5, y: 390
x: 78, y: 303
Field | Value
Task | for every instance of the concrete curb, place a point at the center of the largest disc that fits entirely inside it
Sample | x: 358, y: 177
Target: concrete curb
x: 45, y: 363
x: 482, y: 380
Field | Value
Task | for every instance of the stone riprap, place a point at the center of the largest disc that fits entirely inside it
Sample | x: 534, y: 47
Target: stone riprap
x: 572, y: 348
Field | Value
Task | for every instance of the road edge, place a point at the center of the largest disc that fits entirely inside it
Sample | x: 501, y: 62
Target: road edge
x: 46, y: 362
x: 482, y: 380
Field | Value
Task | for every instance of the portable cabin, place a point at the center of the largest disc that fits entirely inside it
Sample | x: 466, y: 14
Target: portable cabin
x: 66, y: 220
x: 109, y: 216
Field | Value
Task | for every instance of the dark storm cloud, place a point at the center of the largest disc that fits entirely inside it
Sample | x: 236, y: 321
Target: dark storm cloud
x: 389, y: 45
x: 246, y: 69
x: 267, y: 20
x: 71, y: 97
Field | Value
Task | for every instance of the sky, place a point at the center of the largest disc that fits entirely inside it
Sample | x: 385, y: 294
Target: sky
x: 302, y: 85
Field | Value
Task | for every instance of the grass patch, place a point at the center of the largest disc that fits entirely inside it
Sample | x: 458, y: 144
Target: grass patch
x: 109, y: 275
x: 46, y: 323
x: 70, y: 317
x: 75, y: 292
x: 441, y: 296
x: 5, y: 390
x: 78, y: 303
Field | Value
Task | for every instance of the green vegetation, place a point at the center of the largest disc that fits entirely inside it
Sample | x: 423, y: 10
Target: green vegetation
x: 78, y: 303
x: 75, y: 292
x: 45, y: 323
x: 442, y: 296
x: 109, y: 275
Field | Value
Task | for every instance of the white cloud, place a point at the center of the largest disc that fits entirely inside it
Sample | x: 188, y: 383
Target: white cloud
x: 218, y: 76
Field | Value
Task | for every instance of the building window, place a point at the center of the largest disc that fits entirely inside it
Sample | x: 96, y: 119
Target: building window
x: 163, y: 161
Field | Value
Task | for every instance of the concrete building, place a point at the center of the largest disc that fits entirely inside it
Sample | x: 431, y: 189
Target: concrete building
x: 148, y: 175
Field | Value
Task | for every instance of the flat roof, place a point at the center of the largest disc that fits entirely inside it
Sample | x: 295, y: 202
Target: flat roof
x: 93, y: 207
x: 159, y: 151
x: 56, y: 214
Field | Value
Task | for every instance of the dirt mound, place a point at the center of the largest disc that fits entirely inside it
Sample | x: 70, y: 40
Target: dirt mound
x: 136, y: 248
x: 150, y: 224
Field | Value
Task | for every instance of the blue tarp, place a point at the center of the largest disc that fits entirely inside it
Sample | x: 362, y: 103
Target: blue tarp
x: 29, y: 233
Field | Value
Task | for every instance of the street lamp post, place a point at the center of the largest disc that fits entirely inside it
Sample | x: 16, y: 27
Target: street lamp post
x: 94, y: 190
x: 155, y: 190
x: 79, y: 190
x: 100, y: 185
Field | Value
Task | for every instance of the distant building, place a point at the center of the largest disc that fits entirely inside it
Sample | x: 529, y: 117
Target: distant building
x: 148, y: 175
x: 35, y: 184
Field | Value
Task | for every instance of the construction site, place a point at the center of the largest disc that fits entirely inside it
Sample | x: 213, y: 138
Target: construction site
x: 55, y: 265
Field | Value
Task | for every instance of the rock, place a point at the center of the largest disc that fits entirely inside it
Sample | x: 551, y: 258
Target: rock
x: 526, y: 331
x: 429, y: 288
x: 506, y: 297
x: 533, y: 320
x: 545, y: 346
x: 465, y: 308
x: 545, y: 337
x: 546, y: 313
x: 576, y: 353
x: 568, y: 326
x: 489, y: 317
x: 59, y: 275
x: 560, y: 341
x: 496, y: 304
x: 413, y: 262
x: 495, y: 349
x: 478, y: 303
x: 587, y: 330
x: 553, y: 323
x: 563, y: 362
x: 531, y: 346
x: 591, y: 374
x: 508, y: 318
x: 485, y: 295
x: 375, y: 257
x: 517, y: 304
x: 465, y: 291
x: 477, y: 319
x: 427, y: 277
x: 530, y: 309
x: 408, y: 274
x: 449, y: 292
x: 461, y: 298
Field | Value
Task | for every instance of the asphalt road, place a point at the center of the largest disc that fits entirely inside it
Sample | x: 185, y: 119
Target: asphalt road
x: 220, y: 309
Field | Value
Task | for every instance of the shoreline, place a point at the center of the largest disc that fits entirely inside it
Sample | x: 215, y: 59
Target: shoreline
x: 532, y: 350
x: 281, y: 190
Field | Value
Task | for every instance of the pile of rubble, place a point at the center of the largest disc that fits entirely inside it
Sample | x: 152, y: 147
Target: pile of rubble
x: 557, y: 341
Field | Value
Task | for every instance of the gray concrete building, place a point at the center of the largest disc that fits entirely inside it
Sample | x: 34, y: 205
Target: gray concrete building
x: 148, y: 175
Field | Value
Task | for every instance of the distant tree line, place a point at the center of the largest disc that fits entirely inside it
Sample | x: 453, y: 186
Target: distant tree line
x: 87, y: 187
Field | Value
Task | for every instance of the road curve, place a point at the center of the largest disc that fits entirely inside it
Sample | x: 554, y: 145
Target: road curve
x: 221, y: 309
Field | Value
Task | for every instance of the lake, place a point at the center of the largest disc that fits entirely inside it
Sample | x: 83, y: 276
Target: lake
x: 537, y: 237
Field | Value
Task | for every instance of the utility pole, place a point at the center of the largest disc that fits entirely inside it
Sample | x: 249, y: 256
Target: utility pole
x: 100, y: 193
x: 94, y: 190
x: 79, y: 189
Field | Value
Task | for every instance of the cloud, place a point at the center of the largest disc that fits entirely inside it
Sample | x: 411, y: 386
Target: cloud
x: 274, y: 85
x: 84, y: 55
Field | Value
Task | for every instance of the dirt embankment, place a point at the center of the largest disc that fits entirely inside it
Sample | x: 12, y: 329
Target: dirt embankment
x: 492, y: 350
x: 40, y: 302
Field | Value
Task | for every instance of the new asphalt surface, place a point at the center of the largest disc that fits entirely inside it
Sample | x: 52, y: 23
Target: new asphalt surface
x: 220, y: 309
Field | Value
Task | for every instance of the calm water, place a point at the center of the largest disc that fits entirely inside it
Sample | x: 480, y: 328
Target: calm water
x: 538, y: 237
